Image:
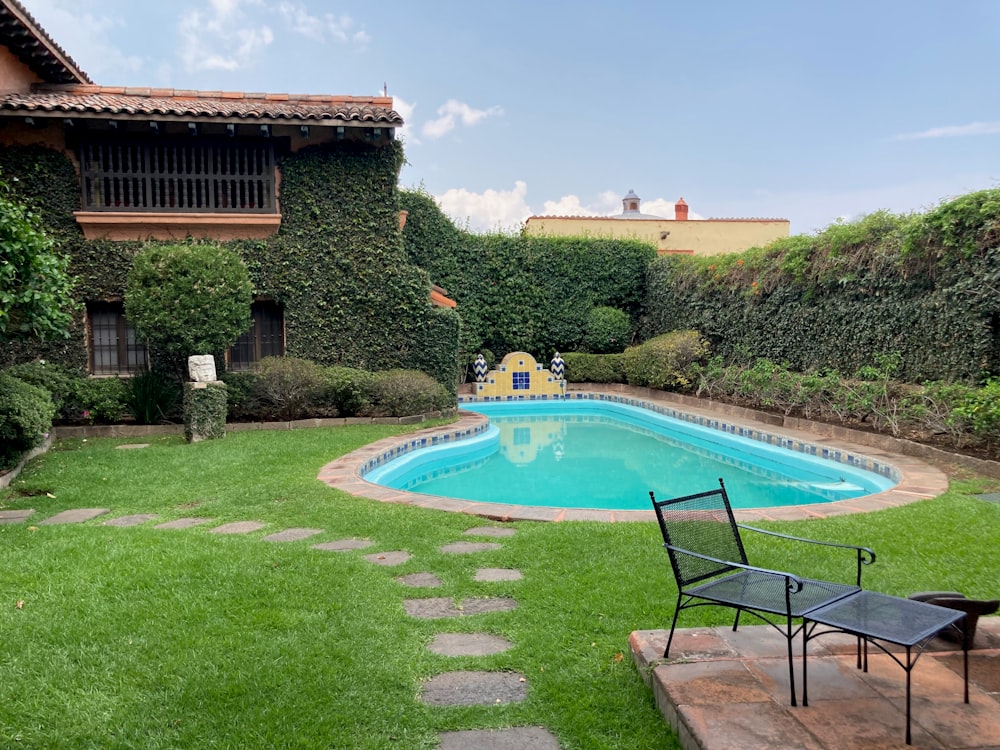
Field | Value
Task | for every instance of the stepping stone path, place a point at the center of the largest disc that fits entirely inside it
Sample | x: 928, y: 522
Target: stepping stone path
x: 456, y: 688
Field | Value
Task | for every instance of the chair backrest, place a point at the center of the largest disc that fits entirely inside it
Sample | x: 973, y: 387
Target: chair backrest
x: 702, y: 523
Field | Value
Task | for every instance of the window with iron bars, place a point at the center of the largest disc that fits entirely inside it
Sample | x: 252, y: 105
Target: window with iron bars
x: 183, y: 175
x: 114, y: 346
x: 266, y: 337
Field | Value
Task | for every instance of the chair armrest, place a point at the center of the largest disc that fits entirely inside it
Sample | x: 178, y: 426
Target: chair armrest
x: 866, y: 555
x: 793, y: 582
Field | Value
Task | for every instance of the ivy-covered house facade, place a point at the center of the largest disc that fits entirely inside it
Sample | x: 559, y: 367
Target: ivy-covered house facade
x: 303, y: 187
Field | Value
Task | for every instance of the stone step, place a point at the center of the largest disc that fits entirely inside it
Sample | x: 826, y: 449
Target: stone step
x: 343, y: 545
x: 133, y: 520
x: 238, y: 527
x: 75, y: 515
x: 474, y: 688
x: 465, y: 548
x: 468, y: 644
x: 515, y: 738
x: 433, y: 608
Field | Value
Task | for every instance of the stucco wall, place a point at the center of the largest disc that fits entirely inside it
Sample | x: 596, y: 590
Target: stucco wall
x: 701, y: 237
x: 15, y: 76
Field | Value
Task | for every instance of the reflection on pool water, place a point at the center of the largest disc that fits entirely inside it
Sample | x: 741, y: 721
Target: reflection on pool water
x: 607, y: 455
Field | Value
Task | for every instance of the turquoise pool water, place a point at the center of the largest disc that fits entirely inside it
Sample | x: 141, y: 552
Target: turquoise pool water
x: 606, y: 455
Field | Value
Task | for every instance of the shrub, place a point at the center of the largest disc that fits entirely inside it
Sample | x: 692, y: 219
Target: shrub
x: 289, y: 386
x: 981, y: 411
x: 98, y: 400
x: 188, y: 299
x: 243, y: 402
x: 59, y: 381
x: 608, y: 330
x: 665, y: 362
x: 204, y: 411
x: 594, y: 368
x: 26, y: 413
x: 152, y: 397
x: 346, y: 390
x: 400, y: 393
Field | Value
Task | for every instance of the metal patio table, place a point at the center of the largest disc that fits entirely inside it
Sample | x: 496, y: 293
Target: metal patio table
x: 877, y: 618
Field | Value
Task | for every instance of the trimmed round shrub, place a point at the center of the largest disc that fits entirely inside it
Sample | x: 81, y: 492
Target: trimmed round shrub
x: 188, y: 299
x: 665, y: 362
x: 26, y: 413
x: 288, y: 386
x: 594, y: 368
x: 609, y: 330
x: 346, y: 390
x: 401, y: 393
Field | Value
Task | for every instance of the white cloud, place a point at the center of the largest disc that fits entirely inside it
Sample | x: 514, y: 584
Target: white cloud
x: 405, y: 110
x: 85, y: 37
x: 490, y: 210
x: 568, y: 205
x: 954, y: 131
x: 319, y: 28
x: 451, y: 113
x: 221, y: 36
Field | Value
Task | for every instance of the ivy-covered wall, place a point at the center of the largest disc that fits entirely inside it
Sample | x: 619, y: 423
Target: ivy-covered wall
x: 337, y: 264
x: 925, y: 286
x: 519, y: 293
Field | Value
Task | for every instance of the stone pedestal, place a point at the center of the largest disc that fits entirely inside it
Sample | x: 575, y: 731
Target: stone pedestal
x: 205, y: 409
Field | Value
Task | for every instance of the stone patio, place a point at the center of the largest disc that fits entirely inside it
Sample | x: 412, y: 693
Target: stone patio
x: 722, y: 690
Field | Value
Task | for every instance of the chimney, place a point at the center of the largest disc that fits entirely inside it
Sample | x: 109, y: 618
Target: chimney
x: 681, y: 210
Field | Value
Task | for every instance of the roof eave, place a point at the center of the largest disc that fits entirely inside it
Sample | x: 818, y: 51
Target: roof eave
x: 41, y: 36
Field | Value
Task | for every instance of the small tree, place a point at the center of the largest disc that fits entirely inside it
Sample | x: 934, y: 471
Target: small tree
x: 187, y: 299
x: 35, y: 284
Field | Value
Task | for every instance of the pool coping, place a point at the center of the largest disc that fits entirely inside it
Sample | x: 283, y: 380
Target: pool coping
x: 917, y: 480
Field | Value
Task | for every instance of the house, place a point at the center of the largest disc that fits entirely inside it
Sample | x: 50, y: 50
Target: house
x: 303, y: 187
x: 677, y: 235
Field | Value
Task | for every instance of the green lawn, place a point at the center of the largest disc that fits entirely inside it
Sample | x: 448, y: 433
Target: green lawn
x: 145, y: 638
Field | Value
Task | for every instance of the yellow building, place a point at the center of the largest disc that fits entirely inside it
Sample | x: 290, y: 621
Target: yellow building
x: 677, y: 235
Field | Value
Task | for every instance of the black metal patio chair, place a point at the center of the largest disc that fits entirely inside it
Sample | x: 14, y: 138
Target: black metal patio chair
x: 710, y: 566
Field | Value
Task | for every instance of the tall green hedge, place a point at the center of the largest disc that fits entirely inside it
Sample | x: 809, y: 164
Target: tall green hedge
x: 520, y: 293
x: 926, y: 286
x: 337, y: 264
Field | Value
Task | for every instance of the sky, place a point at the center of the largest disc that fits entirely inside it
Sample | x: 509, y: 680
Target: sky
x: 815, y: 112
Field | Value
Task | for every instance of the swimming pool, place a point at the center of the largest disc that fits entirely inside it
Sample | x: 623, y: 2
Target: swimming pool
x: 604, y: 454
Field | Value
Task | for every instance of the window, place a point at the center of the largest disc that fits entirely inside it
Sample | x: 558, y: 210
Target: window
x: 166, y: 174
x: 114, y: 346
x: 266, y: 337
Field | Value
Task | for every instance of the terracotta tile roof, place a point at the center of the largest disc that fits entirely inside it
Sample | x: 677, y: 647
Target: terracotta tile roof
x: 31, y: 44
x: 643, y: 218
x: 143, y: 103
x: 440, y: 298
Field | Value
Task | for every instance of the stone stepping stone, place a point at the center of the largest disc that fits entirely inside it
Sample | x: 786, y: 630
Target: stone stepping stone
x: 468, y: 644
x: 433, y: 608
x: 15, y: 516
x: 420, y: 580
x: 464, y: 548
x: 237, y: 527
x: 131, y: 446
x: 133, y: 520
x: 515, y: 738
x: 397, y: 557
x: 292, y: 535
x: 474, y: 688
x: 497, y: 574
x: 182, y: 523
x: 76, y: 515
x: 343, y: 545
x: 490, y: 531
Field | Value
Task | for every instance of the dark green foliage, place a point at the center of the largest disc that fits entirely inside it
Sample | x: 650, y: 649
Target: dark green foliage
x: 289, y: 387
x: 922, y: 286
x: 664, y: 362
x: 187, y: 299
x: 608, y: 330
x: 152, y: 397
x: 26, y: 413
x: 398, y: 393
x: 204, y: 411
x: 35, y: 284
x: 337, y: 266
x: 242, y: 398
x: 346, y: 390
x: 100, y: 400
x: 59, y: 381
x: 594, y: 368
x: 519, y: 293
